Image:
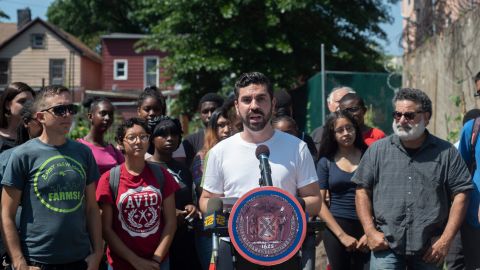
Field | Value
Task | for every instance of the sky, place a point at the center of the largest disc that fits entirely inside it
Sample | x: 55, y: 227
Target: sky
x: 39, y: 9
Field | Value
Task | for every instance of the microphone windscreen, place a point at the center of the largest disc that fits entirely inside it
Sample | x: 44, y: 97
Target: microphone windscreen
x: 214, y: 205
x: 262, y: 149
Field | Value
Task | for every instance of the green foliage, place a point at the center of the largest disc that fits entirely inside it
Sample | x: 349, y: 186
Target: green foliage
x: 210, y: 43
x: 454, y: 121
x: 80, y: 128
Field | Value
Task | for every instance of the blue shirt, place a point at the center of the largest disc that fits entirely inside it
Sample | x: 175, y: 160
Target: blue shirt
x: 465, y: 148
x: 342, y: 189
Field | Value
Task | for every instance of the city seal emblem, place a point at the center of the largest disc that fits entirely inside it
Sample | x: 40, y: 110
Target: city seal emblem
x: 267, y: 226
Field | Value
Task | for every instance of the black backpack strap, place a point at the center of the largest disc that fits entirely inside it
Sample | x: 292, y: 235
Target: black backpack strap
x: 157, y: 172
x: 114, y: 181
x: 473, y: 143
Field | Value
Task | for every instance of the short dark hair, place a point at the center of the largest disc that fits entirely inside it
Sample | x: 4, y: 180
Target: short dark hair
x: 477, y: 77
x: 415, y: 95
x: 47, y: 91
x: 129, y: 123
x: 92, y: 102
x: 153, y: 92
x: 353, y: 96
x: 472, y: 114
x: 247, y: 79
x: 211, y: 97
x: 10, y: 92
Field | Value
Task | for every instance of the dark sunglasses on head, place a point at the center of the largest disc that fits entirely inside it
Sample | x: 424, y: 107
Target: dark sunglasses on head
x: 61, y: 110
x: 408, y: 115
x: 352, y: 109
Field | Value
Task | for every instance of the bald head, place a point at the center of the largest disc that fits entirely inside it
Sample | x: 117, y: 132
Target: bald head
x: 335, y: 96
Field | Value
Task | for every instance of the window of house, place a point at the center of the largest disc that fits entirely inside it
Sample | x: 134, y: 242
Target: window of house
x: 57, y: 71
x: 4, y: 71
x: 38, y: 41
x: 151, y: 71
x: 120, y: 69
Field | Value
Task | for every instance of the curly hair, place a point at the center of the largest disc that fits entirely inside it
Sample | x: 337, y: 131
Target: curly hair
x: 329, y: 145
x: 129, y: 123
x: 415, y: 95
x: 153, y: 92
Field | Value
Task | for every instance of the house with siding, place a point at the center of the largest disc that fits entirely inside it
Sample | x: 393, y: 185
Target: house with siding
x: 125, y: 67
x: 39, y: 53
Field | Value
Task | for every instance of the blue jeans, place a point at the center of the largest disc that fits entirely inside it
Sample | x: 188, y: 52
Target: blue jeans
x: 388, y: 260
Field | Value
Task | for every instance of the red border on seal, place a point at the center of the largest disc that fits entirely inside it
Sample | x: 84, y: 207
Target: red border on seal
x: 295, y: 249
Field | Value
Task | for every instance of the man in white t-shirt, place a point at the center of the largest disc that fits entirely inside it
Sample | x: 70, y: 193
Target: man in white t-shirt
x: 231, y: 166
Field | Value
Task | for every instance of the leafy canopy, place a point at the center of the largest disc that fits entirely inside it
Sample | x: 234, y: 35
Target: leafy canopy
x: 211, y: 42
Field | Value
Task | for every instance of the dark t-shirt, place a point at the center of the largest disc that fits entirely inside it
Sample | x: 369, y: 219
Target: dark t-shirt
x: 183, y: 177
x: 342, y: 189
x: 53, y: 224
x: 192, y: 144
x: 6, y: 143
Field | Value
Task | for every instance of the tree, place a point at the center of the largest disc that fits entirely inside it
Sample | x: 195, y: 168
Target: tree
x: 89, y: 19
x: 210, y: 43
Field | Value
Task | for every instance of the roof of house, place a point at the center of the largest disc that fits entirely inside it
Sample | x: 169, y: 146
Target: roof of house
x: 123, y: 36
x: 7, y: 30
x: 75, y: 43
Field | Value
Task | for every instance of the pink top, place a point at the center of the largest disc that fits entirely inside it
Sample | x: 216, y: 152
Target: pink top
x: 106, y: 157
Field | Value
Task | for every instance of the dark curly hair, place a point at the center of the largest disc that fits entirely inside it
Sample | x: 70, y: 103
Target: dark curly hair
x: 415, y: 95
x: 129, y: 123
x: 329, y: 145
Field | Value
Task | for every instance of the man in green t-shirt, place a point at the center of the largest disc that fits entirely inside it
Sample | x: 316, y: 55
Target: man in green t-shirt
x: 54, y: 179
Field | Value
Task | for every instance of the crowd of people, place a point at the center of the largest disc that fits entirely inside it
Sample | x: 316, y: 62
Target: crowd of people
x: 388, y: 202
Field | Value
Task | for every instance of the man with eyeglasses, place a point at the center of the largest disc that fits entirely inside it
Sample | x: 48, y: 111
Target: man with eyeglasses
x: 54, y: 179
x: 332, y: 103
x: 469, y: 148
x: 353, y: 104
x: 412, y: 190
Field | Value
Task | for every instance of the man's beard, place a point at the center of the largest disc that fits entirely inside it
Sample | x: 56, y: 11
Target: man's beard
x: 259, y: 125
x: 409, y: 132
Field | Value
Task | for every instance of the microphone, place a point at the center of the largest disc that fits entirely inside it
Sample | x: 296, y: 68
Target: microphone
x: 262, y: 153
x: 214, y: 218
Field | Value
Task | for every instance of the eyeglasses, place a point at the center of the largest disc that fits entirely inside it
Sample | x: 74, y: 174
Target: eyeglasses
x: 133, y: 138
x: 352, y: 109
x: 409, y: 116
x: 347, y: 128
x: 61, y: 110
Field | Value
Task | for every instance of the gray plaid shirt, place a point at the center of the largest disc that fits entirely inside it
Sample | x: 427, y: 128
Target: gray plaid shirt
x: 412, y: 194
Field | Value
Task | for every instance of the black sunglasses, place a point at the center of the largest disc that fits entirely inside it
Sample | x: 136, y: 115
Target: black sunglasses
x: 61, y: 110
x: 408, y: 115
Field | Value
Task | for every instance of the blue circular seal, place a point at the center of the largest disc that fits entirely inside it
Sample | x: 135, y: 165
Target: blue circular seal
x: 267, y: 226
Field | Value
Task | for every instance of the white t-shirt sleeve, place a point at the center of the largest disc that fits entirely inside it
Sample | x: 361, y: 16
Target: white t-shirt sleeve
x: 306, y: 173
x: 212, y: 180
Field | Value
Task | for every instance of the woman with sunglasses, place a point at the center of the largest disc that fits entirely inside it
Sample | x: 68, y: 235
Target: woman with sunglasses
x: 140, y: 224
x: 341, y: 149
x: 166, y: 137
x: 100, y: 115
x: 353, y: 104
x: 11, y: 103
